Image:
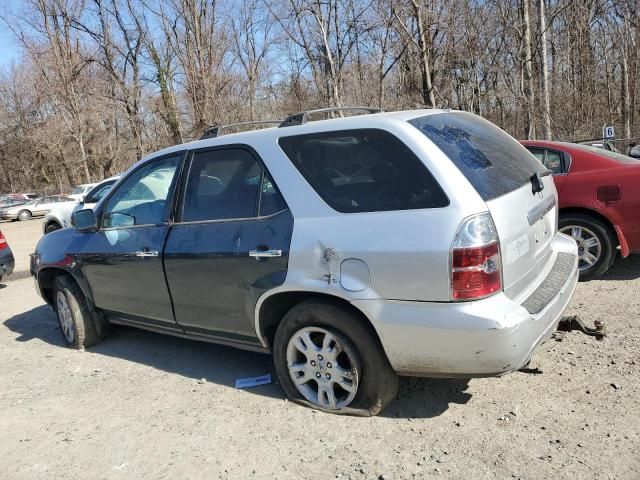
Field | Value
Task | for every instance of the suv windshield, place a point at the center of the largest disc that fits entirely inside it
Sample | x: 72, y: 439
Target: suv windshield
x: 493, y: 162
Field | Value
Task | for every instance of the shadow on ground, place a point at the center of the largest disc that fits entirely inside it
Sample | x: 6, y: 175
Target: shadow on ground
x: 19, y: 275
x: 417, y: 397
x: 623, y: 269
x: 427, y: 397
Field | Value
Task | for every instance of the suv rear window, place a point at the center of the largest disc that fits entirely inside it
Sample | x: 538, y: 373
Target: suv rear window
x: 364, y: 170
x: 493, y: 161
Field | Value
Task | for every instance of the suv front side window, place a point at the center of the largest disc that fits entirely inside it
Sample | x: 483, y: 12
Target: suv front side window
x: 142, y: 198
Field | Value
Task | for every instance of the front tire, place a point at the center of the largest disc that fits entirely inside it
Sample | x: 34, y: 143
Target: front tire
x: 24, y: 215
x: 75, y: 318
x: 329, y: 359
x: 52, y: 227
x: 596, y: 243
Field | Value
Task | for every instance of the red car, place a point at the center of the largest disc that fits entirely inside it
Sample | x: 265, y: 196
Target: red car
x: 599, y: 196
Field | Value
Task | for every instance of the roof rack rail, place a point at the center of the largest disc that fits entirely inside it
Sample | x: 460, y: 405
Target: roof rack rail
x: 215, y: 131
x: 301, y: 118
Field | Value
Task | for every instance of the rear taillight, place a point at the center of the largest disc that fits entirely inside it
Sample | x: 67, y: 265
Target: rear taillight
x: 3, y: 242
x: 476, y: 269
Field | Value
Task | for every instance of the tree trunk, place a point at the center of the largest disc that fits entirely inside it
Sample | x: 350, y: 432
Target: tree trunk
x: 424, y: 43
x: 528, y: 71
x: 83, y: 159
x: 625, y: 100
x: 544, y: 71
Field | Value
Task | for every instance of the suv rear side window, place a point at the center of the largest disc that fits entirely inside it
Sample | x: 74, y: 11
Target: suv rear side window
x: 364, y: 170
x: 493, y: 162
x: 228, y: 184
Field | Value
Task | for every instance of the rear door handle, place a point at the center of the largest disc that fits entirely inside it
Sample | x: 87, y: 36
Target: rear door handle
x: 148, y: 253
x: 258, y: 254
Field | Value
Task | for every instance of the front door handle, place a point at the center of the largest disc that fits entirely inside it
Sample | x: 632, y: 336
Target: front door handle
x: 147, y: 253
x: 258, y: 254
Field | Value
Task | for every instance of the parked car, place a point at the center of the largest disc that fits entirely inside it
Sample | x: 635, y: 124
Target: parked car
x: 11, y: 202
x: 632, y: 149
x: 12, y: 199
x: 81, y: 190
x: 60, y: 215
x: 354, y: 249
x: 6, y: 258
x: 33, y: 208
x: 599, y: 196
x: 18, y: 196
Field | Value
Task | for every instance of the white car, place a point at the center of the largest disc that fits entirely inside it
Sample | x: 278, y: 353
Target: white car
x: 33, y: 208
x: 60, y: 216
x: 81, y: 190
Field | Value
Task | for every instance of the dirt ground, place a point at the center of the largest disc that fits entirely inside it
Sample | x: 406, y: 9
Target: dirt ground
x: 145, y: 406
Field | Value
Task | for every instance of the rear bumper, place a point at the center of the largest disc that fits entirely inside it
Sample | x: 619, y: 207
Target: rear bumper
x: 629, y: 241
x: 489, y: 337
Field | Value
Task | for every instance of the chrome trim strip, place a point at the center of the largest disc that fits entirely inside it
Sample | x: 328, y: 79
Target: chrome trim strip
x: 539, y: 211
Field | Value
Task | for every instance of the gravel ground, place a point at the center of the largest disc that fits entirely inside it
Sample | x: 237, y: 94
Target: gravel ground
x: 142, y: 405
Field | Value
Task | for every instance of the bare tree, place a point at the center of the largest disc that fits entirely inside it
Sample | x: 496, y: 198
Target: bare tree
x: 102, y: 82
x: 55, y: 48
x: 527, y: 69
x: 200, y: 43
x: 253, y: 28
x: 544, y: 70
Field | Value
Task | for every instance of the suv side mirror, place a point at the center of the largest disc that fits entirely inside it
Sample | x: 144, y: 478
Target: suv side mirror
x: 84, y: 220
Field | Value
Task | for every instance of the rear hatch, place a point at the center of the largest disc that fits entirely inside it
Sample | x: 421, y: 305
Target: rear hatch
x: 517, y: 188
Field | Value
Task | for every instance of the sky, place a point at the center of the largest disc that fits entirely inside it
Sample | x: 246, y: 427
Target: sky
x: 9, y: 50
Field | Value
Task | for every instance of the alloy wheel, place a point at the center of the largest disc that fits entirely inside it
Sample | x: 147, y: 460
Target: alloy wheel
x: 589, y: 246
x: 324, y: 367
x: 65, y: 316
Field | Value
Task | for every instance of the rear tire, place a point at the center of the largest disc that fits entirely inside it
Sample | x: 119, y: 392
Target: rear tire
x: 587, y: 230
x: 24, y: 215
x: 359, y: 362
x: 74, y: 315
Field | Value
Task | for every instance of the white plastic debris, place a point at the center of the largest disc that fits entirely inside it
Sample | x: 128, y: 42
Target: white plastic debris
x: 253, y: 381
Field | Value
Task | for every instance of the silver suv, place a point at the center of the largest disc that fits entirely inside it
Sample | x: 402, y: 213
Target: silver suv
x: 354, y: 249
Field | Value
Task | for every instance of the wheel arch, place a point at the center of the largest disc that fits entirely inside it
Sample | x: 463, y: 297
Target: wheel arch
x: 50, y: 221
x: 271, y: 310
x: 613, y: 229
x: 47, y: 278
